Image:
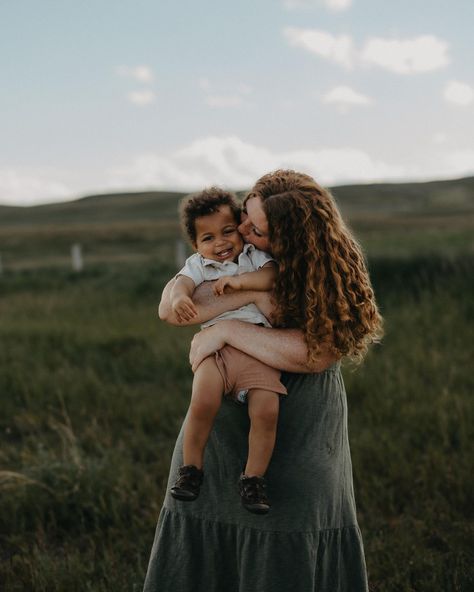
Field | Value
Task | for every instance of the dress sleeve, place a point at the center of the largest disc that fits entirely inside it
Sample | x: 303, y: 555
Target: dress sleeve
x: 193, y: 269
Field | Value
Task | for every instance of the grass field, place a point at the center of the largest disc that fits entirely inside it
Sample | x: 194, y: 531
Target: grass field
x: 93, y: 390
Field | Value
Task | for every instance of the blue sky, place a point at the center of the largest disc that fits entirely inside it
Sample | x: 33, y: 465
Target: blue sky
x: 118, y: 95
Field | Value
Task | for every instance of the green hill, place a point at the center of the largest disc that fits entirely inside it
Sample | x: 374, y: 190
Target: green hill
x: 103, y: 208
x: 396, y: 219
x: 434, y: 198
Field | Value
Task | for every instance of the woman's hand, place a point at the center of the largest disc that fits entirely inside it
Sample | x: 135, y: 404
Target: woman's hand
x: 206, y: 343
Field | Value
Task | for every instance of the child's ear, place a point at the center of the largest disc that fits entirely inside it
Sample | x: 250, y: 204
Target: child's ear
x: 194, y: 245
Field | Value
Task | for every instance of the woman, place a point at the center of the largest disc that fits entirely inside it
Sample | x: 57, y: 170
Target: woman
x: 310, y: 541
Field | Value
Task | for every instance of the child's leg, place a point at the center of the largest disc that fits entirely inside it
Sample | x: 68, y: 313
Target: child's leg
x: 263, y: 412
x: 206, y: 399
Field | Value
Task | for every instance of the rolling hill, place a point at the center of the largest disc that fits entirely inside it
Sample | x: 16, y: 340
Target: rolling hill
x: 389, y: 219
x: 356, y: 201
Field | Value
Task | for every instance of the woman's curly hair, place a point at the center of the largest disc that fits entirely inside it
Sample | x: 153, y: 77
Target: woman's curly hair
x: 322, y: 285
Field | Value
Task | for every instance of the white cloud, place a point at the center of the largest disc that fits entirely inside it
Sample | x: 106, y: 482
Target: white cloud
x: 439, y: 138
x: 338, y: 5
x: 338, y: 49
x: 141, y: 97
x: 345, y: 96
x: 458, y: 93
x: 406, y: 56
x: 402, y: 56
x: 223, y: 102
x: 140, y: 73
x: 234, y: 163
x: 231, y: 162
x: 212, y: 160
x: 26, y: 186
x: 460, y: 162
x: 226, y: 161
x: 343, y: 165
x: 335, y: 5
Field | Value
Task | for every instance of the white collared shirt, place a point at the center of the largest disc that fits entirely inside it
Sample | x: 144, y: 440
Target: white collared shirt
x: 199, y: 270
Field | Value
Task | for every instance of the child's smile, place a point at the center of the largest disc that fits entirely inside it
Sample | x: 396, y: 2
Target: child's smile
x: 217, y: 237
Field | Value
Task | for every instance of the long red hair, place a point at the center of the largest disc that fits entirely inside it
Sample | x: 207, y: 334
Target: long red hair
x: 323, y: 286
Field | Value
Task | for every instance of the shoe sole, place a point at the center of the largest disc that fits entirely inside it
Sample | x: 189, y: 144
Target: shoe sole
x: 257, y: 509
x: 183, y: 497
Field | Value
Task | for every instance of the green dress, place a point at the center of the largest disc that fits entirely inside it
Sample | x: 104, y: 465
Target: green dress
x: 309, y: 541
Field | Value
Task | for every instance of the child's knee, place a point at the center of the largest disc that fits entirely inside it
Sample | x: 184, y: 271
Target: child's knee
x: 267, y: 412
x: 203, y: 407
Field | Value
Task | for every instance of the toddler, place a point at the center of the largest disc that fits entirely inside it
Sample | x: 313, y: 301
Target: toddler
x: 211, y: 219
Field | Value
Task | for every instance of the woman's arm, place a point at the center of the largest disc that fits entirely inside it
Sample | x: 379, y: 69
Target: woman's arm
x: 280, y: 348
x: 284, y: 349
x: 207, y: 304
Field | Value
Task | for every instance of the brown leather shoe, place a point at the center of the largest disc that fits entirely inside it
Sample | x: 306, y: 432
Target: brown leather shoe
x: 253, y: 495
x: 187, y: 484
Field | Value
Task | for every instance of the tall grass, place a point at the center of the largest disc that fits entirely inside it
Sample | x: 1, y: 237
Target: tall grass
x: 93, y: 389
x: 412, y: 428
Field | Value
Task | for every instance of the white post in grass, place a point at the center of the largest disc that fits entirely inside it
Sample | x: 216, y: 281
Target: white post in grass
x: 76, y: 257
x: 180, y: 255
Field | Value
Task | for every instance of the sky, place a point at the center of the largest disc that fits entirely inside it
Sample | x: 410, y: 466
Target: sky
x: 107, y: 95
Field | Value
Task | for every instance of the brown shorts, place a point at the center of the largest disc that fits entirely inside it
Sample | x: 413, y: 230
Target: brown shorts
x: 241, y: 373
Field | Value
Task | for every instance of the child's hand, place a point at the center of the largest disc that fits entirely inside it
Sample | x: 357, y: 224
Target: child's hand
x: 227, y: 283
x: 184, y: 308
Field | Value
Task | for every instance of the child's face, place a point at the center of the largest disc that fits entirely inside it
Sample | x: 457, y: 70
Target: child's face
x: 217, y: 237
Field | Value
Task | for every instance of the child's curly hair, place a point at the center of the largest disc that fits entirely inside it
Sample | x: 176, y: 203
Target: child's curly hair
x: 204, y: 203
x: 323, y: 285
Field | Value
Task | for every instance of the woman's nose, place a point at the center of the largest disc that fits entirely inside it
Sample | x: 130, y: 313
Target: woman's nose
x: 244, y: 227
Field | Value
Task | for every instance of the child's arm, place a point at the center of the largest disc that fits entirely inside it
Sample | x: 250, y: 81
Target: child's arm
x: 181, y: 301
x: 261, y: 280
x: 208, y: 305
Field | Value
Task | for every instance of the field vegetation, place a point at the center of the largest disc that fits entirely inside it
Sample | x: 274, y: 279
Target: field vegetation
x: 93, y: 389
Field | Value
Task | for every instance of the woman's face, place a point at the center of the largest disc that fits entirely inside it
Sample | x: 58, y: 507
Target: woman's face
x: 254, y: 225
